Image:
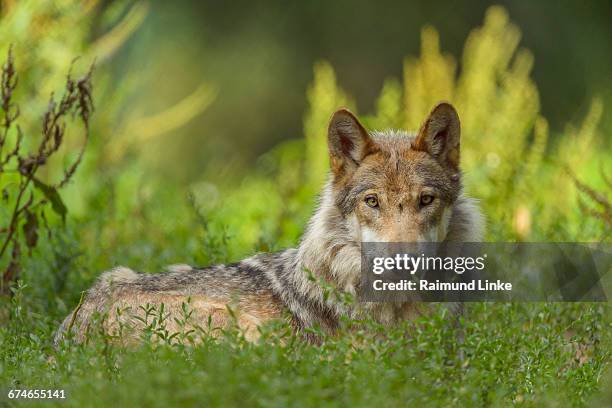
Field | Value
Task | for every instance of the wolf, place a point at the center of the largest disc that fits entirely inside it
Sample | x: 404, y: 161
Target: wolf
x: 383, y: 186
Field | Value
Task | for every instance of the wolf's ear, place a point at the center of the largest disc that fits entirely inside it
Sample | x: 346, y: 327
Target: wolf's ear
x: 348, y: 141
x: 439, y: 135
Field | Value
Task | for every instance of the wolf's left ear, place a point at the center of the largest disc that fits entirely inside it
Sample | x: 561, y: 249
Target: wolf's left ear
x: 348, y: 141
x: 440, y: 134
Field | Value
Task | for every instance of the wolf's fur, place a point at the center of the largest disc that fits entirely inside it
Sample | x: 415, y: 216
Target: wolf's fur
x: 396, y: 167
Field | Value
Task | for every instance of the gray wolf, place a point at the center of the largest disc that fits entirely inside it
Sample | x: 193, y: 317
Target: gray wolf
x: 389, y: 186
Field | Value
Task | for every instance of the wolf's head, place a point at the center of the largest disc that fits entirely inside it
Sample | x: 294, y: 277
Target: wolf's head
x: 388, y: 186
x: 391, y: 186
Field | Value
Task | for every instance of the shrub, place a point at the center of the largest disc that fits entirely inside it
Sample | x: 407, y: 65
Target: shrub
x: 25, y: 196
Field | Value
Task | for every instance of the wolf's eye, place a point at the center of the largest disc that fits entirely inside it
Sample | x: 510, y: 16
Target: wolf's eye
x: 371, y: 200
x: 426, y: 199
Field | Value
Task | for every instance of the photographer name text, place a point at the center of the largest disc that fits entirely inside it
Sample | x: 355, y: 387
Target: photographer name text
x: 425, y: 285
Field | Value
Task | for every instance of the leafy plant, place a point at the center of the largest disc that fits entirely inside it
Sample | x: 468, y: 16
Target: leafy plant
x: 25, y: 196
x: 510, y: 161
x: 601, y: 207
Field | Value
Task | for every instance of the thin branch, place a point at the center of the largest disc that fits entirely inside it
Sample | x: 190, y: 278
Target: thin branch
x: 76, y: 101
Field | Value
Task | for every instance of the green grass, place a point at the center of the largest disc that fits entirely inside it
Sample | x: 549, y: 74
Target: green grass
x: 525, y: 354
x: 528, y: 354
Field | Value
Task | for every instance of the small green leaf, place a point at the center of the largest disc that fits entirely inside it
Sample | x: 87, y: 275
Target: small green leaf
x: 53, y: 196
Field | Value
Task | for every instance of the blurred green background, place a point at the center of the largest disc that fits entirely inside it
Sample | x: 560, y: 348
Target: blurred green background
x: 209, y: 137
x: 260, y: 58
x: 208, y: 140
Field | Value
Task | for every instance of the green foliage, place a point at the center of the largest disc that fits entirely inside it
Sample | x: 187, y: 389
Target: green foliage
x: 24, y: 196
x: 324, y: 97
x: 506, y: 158
x: 512, y: 354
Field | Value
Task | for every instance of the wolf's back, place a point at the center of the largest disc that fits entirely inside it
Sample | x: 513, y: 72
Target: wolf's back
x: 250, y: 288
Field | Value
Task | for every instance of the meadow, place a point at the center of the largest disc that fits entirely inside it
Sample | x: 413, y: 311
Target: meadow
x: 534, y: 186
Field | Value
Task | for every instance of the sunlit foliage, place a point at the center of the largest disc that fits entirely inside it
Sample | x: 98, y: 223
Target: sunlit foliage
x: 507, y: 159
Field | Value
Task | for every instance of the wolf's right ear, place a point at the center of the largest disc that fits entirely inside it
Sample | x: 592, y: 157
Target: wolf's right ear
x: 348, y: 141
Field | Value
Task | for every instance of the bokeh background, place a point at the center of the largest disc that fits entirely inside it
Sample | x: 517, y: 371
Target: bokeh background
x: 208, y: 137
x: 261, y: 57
